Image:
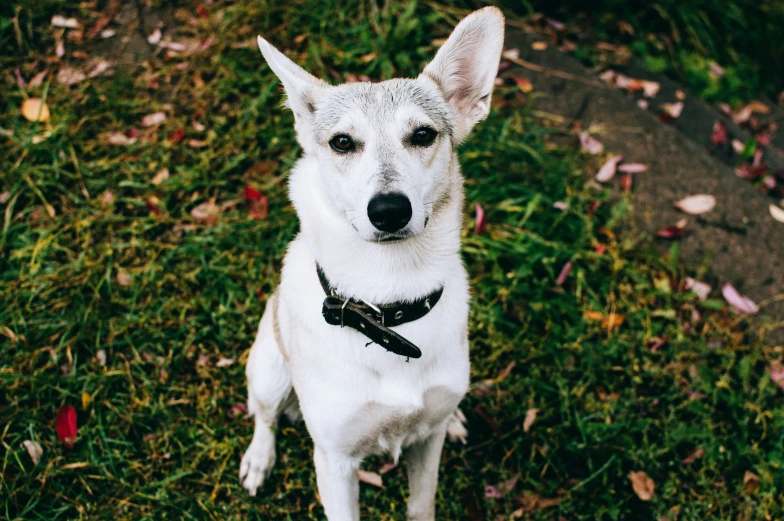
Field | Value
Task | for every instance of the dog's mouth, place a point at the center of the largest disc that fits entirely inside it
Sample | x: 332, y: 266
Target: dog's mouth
x: 391, y: 237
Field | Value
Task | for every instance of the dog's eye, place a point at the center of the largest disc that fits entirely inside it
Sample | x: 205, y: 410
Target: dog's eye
x: 423, y: 136
x: 341, y: 143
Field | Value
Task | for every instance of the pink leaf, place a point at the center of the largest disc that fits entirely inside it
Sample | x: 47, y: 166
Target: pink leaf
x: 693, y: 456
x: 492, y: 492
x: 151, y: 120
x: 560, y: 205
x: 776, y: 212
x: 740, y: 302
x: 154, y: 37
x: 161, y: 176
x: 702, y: 289
x: 590, y: 144
x: 34, y: 449
x: 607, y: 171
x: 65, y: 425
x: 643, y: 104
x: 564, y: 273
x: 776, y: 372
x: 719, y: 133
x: 66, y: 23
x: 650, y: 88
x: 530, y: 418
x: 70, y: 76
x: 38, y: 79
x: 673, y: 110
x: 632, y: 168
x: 224, y: 362
x: 696, y: 204
x: 371, y: 478
x: 59, y: 49
x: 738, y: 146
x: 480, y: 219
x: 19, y: 80
x: 238, y: 409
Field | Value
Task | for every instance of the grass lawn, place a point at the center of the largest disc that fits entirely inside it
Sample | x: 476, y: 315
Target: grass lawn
x: 628, y: 371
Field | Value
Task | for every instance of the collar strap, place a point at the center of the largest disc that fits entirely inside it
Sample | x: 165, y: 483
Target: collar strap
x: 374, y: 321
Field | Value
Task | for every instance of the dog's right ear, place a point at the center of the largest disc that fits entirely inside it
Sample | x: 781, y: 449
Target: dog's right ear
x: 301, y: 87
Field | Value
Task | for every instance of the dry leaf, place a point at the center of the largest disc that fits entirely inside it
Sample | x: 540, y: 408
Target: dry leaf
x: 67, y: 23
x: 70, y: 76
x: 160, y: 177
x: 740, y: 302
x: 207, y: 212
x: 776, y: 212
x: 650, y: 88
x: 633, y: 168
x: 607, y: 171
x: 151, y: 120
x: 480, y: 219
x: 224, y: 362
x: 371, y: 478
x: 590, y: 144
x: 124, y: 278
x: 38, y: 79
x: 696, y: 204
x: 100, y: 357
x: 4, y: 197
x: 155, y: 37
x: 511, y: 54
x: 612, y: 321
x: 564, y: 273
x: 719, y: 133
x: 752, y: 482
x: 643, y: 486
x: 86, y: 400
x: 776, y: 372
x: 673, y: 110
x: 530, y: 418
x: 34, y: 449
x: 119, y: 138
x: 539, y: 46
x: 702, y: 289
x: 33, y: 109
x: 59, y: 49
x: 524, y: 84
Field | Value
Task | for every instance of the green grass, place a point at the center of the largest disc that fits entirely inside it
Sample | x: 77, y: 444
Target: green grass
x: 157, y: 439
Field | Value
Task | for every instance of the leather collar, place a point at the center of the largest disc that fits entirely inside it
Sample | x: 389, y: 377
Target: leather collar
x: 374, y: 321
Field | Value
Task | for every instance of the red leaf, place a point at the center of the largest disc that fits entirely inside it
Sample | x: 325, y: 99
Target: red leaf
x: 600, y: 248
x: 153, y: 207
x: 252, y: 194
x: 480, y: 219
x: 202, y: 11
x: 65, y: 425
x: 719, y: 133
x: 238, y: 409
x: 672, y: 232
x: 259, y: 208
x: 177, y: 135
x: 626, y: 182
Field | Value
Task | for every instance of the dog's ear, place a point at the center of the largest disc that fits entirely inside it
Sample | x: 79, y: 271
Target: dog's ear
x: 466, y: 66
x: 301, y: 87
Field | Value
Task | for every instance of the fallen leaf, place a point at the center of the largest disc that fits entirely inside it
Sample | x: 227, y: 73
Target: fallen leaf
x: 151, y: 120
x: 650, y: 88
x: 386, y: 467
x: 632, y: 168
x: 70, y: 76
x: 600, y: 248
x: 207, y: 211
x: 608, y: 76
x: 65, y: 425
x: 696, y: 204
x: 202, y: 11
x: 198, y: 127
x: 607, y: 171
x: 86, y: 400
x: 511, y: 54
x: 238, y: 409
x: 673, y: 110
x: 679, y: 94
x: 719, y: 133
x: 124, y: 278
x: 702, y: 289
x: 224, y: 362
x: 19, y: 80
x: 196, y: 143
x: 119, y: 138
x: 371, y: 478
x: 564, y: 273
x: 155, y: 37
x: 100, y: 357
x: 643, y: 485
x: 34, y: 449
x: 776, y: 372
x: 204, y: 361
x: 752, y: 482
x: 66, y: 23
x: 38, y: 79
x: 177, y: 135
x: 492, y: 492
x: 59, y: 49
x: 4, y: 197
x: 716, y: 70
x: 530, y: 418
x: 480, y: 219
x: 539, y: 46
x: 160, y: 177
x: 624, y: 82
x: 693, y: 456
x: 590, y: 144
x: 561, y: 205
x: 740, y: 302
x: 108, y: 33
x: 497, y: 492
x: 523, y: 84
x: 107, y: 197
x: 672, y: 232
x: 33, y: 109
x: 626, y: 182
x: 643, y: 104
x: 612, y: 321
x: 533, y: 502
x: 776, y: 212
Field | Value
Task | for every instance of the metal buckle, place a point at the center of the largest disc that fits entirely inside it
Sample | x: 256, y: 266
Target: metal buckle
x: 342, y: 308
x: 374, y: 308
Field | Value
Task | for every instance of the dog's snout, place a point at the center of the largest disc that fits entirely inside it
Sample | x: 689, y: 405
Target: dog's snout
x: 389, y: 212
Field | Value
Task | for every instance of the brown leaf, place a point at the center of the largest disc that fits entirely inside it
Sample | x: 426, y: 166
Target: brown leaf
x: 523, y: 83
x: 539, y: 46
x: 34, y: 449
x: 752, y: 482
x: 207, y: 212
x: 33, y: 109
x: 643, y: 485
x: 160, y: 177
x: 530, y: 418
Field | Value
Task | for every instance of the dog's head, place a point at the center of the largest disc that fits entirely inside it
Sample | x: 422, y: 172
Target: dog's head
x: 385, y: 150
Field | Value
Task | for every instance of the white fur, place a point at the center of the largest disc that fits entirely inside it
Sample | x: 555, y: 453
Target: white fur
x: 359, y: 400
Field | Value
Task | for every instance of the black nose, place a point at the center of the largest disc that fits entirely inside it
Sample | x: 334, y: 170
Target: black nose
x: 389, y: 212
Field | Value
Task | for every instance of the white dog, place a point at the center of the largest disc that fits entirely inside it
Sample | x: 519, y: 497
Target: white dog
x: 379, y: 196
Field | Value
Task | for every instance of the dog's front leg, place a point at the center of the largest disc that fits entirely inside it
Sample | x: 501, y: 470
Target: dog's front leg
x: 338, y: 485
x: 422, y: 461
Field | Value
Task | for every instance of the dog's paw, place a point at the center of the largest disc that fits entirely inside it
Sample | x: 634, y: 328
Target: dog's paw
x: 455, y: 427
x: 256, y: 466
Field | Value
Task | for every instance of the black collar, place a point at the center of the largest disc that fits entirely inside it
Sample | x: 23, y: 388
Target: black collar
x: 374, y: 321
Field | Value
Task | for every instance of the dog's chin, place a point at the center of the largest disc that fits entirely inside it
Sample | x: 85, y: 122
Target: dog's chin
x: 390, y: 238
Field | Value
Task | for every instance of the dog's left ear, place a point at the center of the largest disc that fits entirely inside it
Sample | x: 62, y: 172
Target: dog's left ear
x: 466, y: 66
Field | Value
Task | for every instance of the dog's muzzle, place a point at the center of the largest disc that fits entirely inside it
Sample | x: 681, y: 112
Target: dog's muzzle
x: 374, y: 321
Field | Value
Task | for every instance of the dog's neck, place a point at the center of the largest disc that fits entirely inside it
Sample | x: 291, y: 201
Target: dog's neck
x: 379, y: 273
